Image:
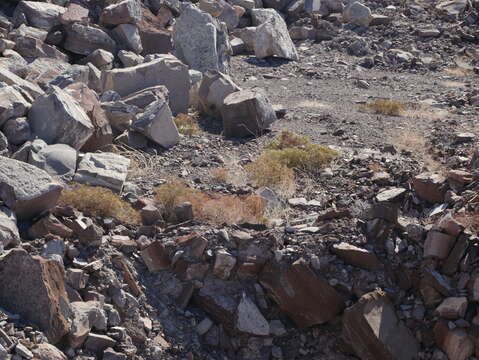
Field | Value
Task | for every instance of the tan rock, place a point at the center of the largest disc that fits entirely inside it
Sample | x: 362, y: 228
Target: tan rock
x: 452, y: 308
x: 430, y: 187
x: 455, y: 343
x: 156, y: 257
x: 356, y: 256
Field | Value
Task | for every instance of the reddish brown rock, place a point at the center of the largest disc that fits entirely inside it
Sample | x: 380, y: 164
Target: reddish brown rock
x: 156, y: 257
x: 307, y: 298
x: 49, y: 225
x: 455, y: 343
x: 374, y: 331
x: 430, y: 187
x: 438, y: 245
x: 356, y: 256
x: 452, y: 308
x: 34, y: 288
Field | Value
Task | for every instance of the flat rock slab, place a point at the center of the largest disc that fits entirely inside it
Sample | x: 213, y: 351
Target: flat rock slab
x: 103, y: 169
x: 25, y: 189
x: 357, y: 256
x: 34, y: 288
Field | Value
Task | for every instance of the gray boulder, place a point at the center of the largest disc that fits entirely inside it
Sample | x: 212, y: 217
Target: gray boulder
x: 157, y: 124
x: 214, y: 88
x: 83, y: 39
x: 246, y: 113
x: 201, y: 41
x: 9, y: 234
x: 357, y: 14
x: 10, y: 78
x: 128, y: 37
x: 166, y: 70
x: 17, y: 131
x: 124, y: 12
x: 38, y: 14
x: 260, y: 16
x: 103, y: 169
x: 12, y: 103
x: 57, y: 160
x: 25, y: 189
x: 272, y: 39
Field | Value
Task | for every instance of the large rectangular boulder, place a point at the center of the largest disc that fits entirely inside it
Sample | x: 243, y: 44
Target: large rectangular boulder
x: 25, y: 189
x: 83, y: 39
x: 10, y: 78
x: 58, y: 118
x: 34, y: 288
x: 38, y: 14
x: 166, y: 70
x: 304, y: 296
x: 374, y: 331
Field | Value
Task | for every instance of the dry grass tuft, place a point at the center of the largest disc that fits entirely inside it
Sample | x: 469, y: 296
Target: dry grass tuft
x: 211, y: 207
x: 221, y: 175
x: 266, y: 171
x: 187, y: 124
x: 288, y: 139
x: 385, y: 107
x: 98, y: 201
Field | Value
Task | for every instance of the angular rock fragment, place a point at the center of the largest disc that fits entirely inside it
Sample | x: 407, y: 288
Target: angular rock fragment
x: 307, y: 298
x: 34, y: 288
x: 38, y: 14
x: 124, y: 12
x: 25, y: 189
x: 357, y: 14
x: 86, y: 316
x: 201, y: 41
x: 214, y: 88
x: 10, y: 78
x: 128, y: 37
x: 374, y: 331
x: 166, y: 70
x: 452, y: 308
x: 57, y: 160
x: 9, y: 234
x: 438, y: 244
x: 103, y: 169
x: 83, y: 39
x: 430, y: 187
x: 156, y: 257
x: 67, y: 121
x: 246, y: 113
x: 454, y: 342
x: 272, y: 39
x: 357, y: 256
x: 12, y: 104
x: 48, y: 352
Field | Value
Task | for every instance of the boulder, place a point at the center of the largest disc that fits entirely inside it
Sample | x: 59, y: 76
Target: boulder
x: 375, y: 333
x: 201, y: 41
x: 12, y: 103
x: 456, y: 343
x: 10, y: 78
x: 25, y: 189
x: 128, y: 37
x: 430, y: 187
x: 452, y: 308
x: 103, y: 169
x: 124, y: 12
x: 248, y: 36
x: 272, y: 39
x: 356, y: 256
x: 83, y: 39
x: 246, y: 113
x: 9, y: 234
x: 74, y: 14
x: 101, y: 59
x: 30, y: 47
x: 67, y: 121
x: 157, y: 124
x: 34, y: 288
x: 214, y: 88
x: 357, y: 14
x: 166, y: 70
x: 57, y: 160
x: 304, y: 296
x: 86, y: 316
x: 48, y: 352
x: 17, y: 131
x: 38, y: 14
x: 452, y: 8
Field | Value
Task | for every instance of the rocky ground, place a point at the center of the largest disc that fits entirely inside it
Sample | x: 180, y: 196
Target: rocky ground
x: 125, y: 234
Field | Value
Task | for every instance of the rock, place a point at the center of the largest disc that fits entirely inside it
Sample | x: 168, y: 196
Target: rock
x: 124, y: 12
x: 150, y: 214
x: 312, y: 6
x: 305, y: 297
x: 129, y: 58
x: 101, y: 59
x: 26, y: 190
x: 38, y: 14
x: 272, y: 39
x: 110, y: 354
x: 374, y: 331
x: 224, y: 263
x: 98, y: 343
x: 166, y: 70
x: 86, y: 316
x: 452, y: 8
x: 48, y: 352
x: 454, y: 342
x: 68, y: 123
x: 156, y: 257
x: 203, y: 327
x: 357, y: 14
x: 183, y: 212
x: 214, y: 88
x: 34, y: 288
x: 201, y: 41
x: 246, y: 113
x: 430, y: 187
x: 74, y: 14
x: 128, y: 37
x: 103, y: 169
x: 11, y: 79
x: 238, y: 46
x: 356, y: 256
x: 248, y: 36
x: 390, y: 195
x: 261, y: 16
x: 49, y: 225
x: 83, y: 39
x: 57, y: 160
x: 9, y: 234
x: 12, y: 104
x: 22, y: 351
x: 438, y: 245
x: 452, y: 308
x: 249, y: 319
x: 157, y: 124
x: 17, y: 131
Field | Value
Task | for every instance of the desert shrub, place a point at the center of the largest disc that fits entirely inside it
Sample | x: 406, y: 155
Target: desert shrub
x: 288, y: 139
x: 98, y: 201
x: 187, y: 124
x: 266, y: 171
x: 385, y: 107
x: 211, y: 207
x: 221, y: 175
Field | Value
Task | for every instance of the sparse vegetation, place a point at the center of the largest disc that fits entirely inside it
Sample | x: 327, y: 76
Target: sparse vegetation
x: 211, y: 207
x: 287, y: 152
x: 385, y: 107
x: 221, y: 174
x: 187, y: 124
x: 98, y: 201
